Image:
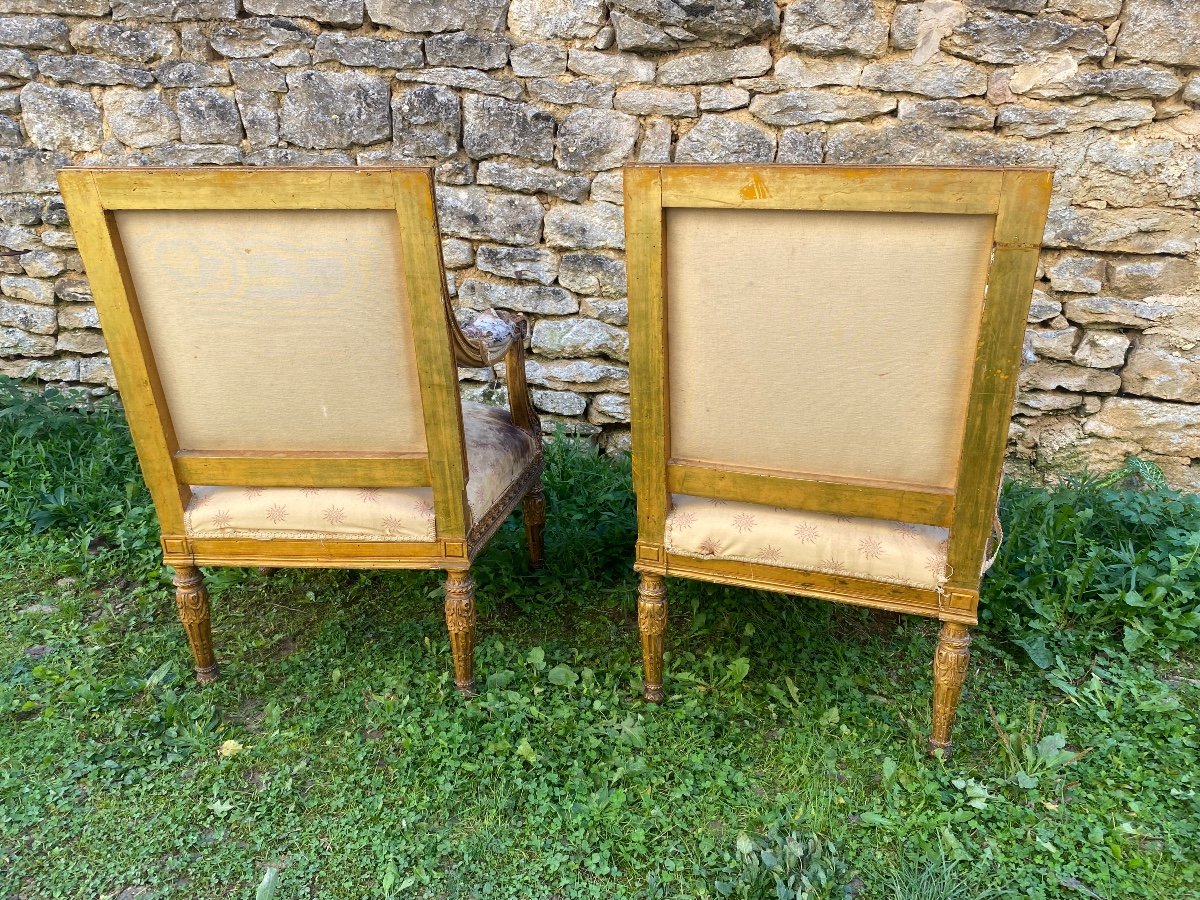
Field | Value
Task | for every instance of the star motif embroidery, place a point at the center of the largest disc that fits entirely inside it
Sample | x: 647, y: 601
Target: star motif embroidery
x: 837, y: 567
x: 277, y: 512
x: 368, y: 495
x: 807, y: 532
x: 334, y: 515
x: 871, y: 548
x: 769, y: 554
x: 709, y: 547
x: 221, y: 519
x: 744, y: 522
x: 682, y: 520
x: 252, y: 493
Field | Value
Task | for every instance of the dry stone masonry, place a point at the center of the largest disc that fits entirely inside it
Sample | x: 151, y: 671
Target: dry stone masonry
x: 528, y: 108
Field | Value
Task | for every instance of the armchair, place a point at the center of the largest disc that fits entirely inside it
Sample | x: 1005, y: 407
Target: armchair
x: 286, y: 352
x: 823, y: 362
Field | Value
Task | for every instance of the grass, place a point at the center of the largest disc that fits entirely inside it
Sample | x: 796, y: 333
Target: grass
x: 334, y: 758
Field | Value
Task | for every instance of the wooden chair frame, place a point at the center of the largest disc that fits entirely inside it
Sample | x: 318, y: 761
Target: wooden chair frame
x: 1018, y: 198
x: 92, y: 196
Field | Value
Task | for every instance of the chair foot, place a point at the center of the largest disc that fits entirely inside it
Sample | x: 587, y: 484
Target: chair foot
x: 949, y: 671
x: 460, y: 622
x: 533, y: 508
x: 191, y: 599
x: 652, y: 623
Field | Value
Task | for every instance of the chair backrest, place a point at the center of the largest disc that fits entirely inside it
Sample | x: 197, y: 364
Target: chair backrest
x: 841, y: 340
x: 276, y: 328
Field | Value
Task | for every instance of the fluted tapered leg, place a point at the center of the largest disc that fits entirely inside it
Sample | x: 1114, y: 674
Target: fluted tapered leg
x: 949, y: 671
x: 533, y: 507
x: 191, y: 599
x: 460, y: 622
x: 652, y: 623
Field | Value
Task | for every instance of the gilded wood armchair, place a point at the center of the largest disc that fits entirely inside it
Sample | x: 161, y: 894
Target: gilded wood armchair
x: 823, y: 363
x: 286, y: 355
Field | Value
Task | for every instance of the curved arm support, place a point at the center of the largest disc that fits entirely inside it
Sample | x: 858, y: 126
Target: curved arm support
x: 519, y: 402
x: 479, y: 347
x: 493, y: 340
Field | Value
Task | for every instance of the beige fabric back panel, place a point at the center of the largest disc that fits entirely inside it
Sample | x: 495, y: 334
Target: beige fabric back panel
x: 278, y: 329
x: 836, y: 344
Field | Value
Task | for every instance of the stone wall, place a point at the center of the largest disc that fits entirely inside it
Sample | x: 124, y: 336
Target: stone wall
x: 529, y: 107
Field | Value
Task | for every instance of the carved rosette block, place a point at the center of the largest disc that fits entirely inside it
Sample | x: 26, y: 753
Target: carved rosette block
x: 191, y: 599
x: 949, y: 671
x: 652, y: 623
x: 533, y: 508
x: 460, y: 622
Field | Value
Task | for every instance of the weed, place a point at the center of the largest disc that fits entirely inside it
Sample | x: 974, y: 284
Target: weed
x: 784, y: 863
x: 934, y: 879
x: 1086, y: 568
x: 1031, y: 757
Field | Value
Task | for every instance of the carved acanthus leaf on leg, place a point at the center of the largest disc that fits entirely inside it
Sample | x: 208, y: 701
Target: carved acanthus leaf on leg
x: 652, y: 624
x: 950, y: 662
x: 460, y: 622
x: 191, y: 600
x: 533, y: 508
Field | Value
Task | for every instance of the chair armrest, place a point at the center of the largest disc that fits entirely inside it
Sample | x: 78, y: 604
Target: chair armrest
x: 485, y: 341
x: 492, y: 338
x: 519, y: 402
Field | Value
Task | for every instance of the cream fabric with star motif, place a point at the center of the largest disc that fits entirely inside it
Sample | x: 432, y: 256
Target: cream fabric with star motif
x: 498, y: 453
x: 305, y: 514
x: 894, y: 552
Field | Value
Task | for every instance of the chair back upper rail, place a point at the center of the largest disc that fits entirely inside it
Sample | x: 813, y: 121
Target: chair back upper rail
x: 1000, y: 214
x: 833, y: 188
x: 411, y: 343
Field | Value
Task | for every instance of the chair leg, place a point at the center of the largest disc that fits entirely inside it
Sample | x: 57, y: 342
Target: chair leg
x: 191, y: 599
x: 533, y: 508
x: 460, y: 622
x: 949, y: 671
x: 652, y: 623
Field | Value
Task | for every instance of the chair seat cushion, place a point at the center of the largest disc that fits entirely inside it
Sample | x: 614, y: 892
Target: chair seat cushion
x: 498, y: 453
x: 874, y: 549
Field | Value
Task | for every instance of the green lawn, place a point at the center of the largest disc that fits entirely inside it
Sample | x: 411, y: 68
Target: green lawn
x: 335, y: 751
